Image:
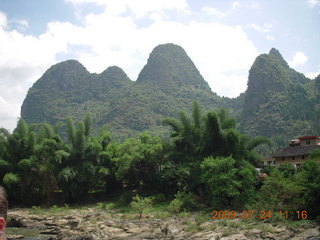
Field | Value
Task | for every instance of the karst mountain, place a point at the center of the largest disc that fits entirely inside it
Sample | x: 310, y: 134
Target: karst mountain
x: 279, y: 102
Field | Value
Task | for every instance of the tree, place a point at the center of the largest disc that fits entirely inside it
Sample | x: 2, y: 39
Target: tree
x: 287, y: 170
x: 140, y: 161
x: 309, y: 179
x: 279, y: 192
x: 11, y: 180
x: 49, y: 156
x: 87, y: 124
x: 212, y: 134
x: 20, y: 143
x: 77, y: 172
x: 108, y: 162
x: 90, y: 165
x: 18, y: 149
x: 186, y: 135
x: 219, y: 175
x: 249, y: 144
x: 4, y: 163
x: 212, y: 143
x: 315, y: 155
x: 139, y: 204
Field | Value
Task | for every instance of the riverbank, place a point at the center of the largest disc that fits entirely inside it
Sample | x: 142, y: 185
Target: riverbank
x: 92, y: 223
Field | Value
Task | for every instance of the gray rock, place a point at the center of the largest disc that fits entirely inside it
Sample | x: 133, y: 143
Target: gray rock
x: 13, y: 237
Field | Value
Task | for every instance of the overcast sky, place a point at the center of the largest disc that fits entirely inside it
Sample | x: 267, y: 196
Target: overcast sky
x: 222, y: 38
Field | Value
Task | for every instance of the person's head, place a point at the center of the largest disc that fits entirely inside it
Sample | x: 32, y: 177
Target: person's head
x: 3, y: 210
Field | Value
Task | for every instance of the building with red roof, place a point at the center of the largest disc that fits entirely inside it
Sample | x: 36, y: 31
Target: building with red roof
x: 296, y: 153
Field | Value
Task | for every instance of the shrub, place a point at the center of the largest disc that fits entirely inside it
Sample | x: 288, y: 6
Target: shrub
x: 11, y: 179
x: 4, y: 164
x: 140, y: 203
x: 36, y: 209
x: 268, y: 169
x: 287, y: 169
x: 102, y: 205
x: 182, y: 201
x: 280, y: 192
x: 124, y: 199
x: 158, y: 198
x: 175, y: 205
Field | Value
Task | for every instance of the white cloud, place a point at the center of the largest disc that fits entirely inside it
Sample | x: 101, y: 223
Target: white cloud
x: 298, y: 59
x: 216, y: 12
x: 222, y: 53
x: 254, y: 5
x: 23, y: 59
x: 270, y: 38
x: 139, y: 8
x: 264, y: 28
x: 235, y: 5
x: 215, y: 48
x: 21, y: 24
x: 7, y: 111
x: 213, y: 11
x: 313, y: 3
x: 313, y: 75
x: 3, y: 20
x: 142, y: 7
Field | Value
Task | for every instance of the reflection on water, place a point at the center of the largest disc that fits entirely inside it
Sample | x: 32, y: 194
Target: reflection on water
x: 28, y: 233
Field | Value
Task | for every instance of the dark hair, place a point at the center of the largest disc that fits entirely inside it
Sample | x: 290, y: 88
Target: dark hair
x: 3, y: 203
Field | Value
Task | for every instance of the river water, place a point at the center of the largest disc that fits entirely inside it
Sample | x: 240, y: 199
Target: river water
x: 28, y: 233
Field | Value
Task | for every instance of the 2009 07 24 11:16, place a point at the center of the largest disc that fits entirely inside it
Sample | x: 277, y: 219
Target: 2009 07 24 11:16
x: 247, y: 214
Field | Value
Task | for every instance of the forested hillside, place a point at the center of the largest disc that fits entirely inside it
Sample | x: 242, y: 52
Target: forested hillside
x: 168, y: 83
x: 279, y: 103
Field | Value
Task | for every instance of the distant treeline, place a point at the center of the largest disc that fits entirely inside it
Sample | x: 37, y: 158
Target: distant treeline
x: 206, y: 159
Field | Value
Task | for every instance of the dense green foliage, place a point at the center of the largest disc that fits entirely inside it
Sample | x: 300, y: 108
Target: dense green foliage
x: 279, y: 103
x: 206, y: 160
x: 209, y: 146
x: 167, y: 84
x: 292, y: 190
x: 38, y: 166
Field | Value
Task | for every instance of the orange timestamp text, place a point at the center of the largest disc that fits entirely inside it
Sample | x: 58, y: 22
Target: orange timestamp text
x: 263, y: 214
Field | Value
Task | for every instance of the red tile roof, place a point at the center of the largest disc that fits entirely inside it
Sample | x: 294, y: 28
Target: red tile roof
x: 307, y: 137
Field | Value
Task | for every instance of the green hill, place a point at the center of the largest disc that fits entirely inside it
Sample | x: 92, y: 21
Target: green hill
x: 279, y: 102
x: 168, y: 83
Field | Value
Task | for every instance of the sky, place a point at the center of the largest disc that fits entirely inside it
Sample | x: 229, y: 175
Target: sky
x: 222, y: 37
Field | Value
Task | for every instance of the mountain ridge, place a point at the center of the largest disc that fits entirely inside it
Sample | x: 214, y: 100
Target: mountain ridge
x: 127, y: 106
x: 277, y: 101
x: 166, y: 64
x: 168, y: 83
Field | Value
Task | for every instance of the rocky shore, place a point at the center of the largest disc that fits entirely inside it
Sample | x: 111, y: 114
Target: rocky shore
x: 92, y: 224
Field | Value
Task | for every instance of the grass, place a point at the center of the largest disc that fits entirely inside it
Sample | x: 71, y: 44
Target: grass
x: 54, y: 210
x: 258, y: 224
x: 195, y: 222
x: 157, y: 210
x: 193, y: 227
x: 36, y: 210
x: 106, y: 205
x: 300, y: 223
